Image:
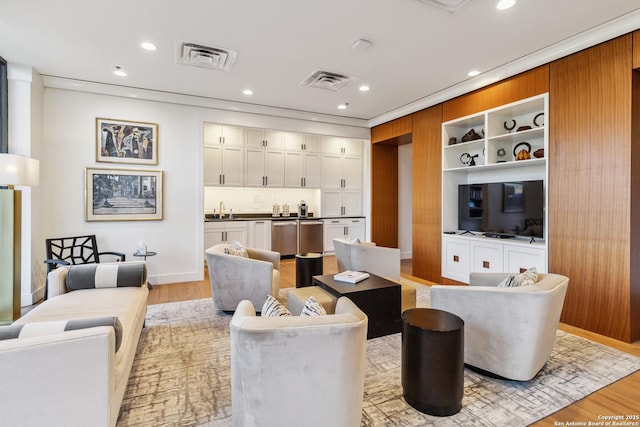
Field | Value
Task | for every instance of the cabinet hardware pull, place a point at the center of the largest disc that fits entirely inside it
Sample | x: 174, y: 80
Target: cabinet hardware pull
x: 223, y: 178
x: 219, y: 179
x: 334, y: 222
x: 305, y: 181
x: 456, y: 258
x: 266, y: 180
x: 301, y: 182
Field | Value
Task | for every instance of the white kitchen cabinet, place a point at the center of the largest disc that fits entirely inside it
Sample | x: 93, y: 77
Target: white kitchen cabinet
x: 518, y: 258
x: 336, y: 203
x: 487, y: 257
x: 223, y: 155
x: 456, y: 260
x: 225, y: 232
x: 260, y: 234
x: 302, y: 161
x: 344, y: 228
x: 342, y: 146
x: 264, y: 158
x: 342, y: 168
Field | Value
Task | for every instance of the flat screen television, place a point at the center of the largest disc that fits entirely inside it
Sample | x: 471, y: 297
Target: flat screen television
x: 502, y: 209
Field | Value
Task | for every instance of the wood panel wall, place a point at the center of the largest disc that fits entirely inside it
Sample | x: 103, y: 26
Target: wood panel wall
x: 634, y: 286
x: 427, y: 193
x: 524, y: 85
x: 384, y: 194
x: 590, y: 186
x: 395, y: 129
x: 636, y: 50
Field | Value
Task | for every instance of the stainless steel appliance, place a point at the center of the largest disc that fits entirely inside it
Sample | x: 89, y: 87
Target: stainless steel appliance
x: 310, y: 236
x: 284, y: 237
x: 303, y: 209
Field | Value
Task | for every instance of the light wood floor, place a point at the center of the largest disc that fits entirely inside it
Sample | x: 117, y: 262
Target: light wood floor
x: 620, y: 398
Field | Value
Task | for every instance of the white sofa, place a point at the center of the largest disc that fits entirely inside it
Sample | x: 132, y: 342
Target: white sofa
x: 74, y: 378
x: 379, y: 260
x: 234, y: 278
x: 508, y: 332
x: 298, y: 370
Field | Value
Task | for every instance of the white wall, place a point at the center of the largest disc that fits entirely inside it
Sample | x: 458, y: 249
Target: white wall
x: 69, y: 140
x: 405, y: 200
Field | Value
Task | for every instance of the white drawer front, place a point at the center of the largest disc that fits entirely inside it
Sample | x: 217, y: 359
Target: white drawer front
x: 518, y: 258
x: 487, y: 258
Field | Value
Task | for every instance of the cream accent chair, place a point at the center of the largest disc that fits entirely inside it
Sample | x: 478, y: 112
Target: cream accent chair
x: 509, y: 332
x: 379, y: 260
x: 234, y: 278
x: 298, y: 370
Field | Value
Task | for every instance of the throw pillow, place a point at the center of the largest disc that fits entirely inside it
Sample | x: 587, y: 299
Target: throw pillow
x: 526, y: 278
x: 273, y: 308
x: 236, y: 249
x: 106, y: 275
x: 37, y: 329
x: 312, y: 308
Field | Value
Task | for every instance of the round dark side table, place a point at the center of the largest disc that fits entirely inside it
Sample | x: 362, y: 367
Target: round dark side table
x: 307, y: 265
x: 433, y: 361
x: 145, y: 255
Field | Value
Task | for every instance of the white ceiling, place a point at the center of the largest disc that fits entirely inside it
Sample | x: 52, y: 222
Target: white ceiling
x: 417, y: 51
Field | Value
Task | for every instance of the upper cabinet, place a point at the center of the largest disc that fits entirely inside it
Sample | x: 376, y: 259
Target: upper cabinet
x: 302, y: 160
x: 264, y: 158
x: 341, y: 163
x: 223, y: 155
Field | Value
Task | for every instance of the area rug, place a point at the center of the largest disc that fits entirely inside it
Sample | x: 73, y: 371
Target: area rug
x: 181, y: 376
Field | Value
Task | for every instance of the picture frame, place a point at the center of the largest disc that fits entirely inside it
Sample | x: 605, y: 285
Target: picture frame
x: 123, y: 194
x: 128, y: 142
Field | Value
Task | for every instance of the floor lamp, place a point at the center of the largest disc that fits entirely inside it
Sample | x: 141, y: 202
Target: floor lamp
x: 22, y: 171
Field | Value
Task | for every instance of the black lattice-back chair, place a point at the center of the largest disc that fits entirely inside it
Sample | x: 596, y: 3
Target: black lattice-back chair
x: 74, y: 250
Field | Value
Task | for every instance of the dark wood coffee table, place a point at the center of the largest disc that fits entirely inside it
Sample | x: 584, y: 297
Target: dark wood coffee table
x: 377, y: 297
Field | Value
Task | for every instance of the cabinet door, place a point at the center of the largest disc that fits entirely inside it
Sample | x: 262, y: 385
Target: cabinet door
x: 212, y: 134
x: 254, y: 176
x: 352, y: 203
x: 331, y: 145
x: 487, y: 257
x: 352, y: 172
x: 311, y: 143
x: 274, y: 140
x: 213, y: 234
x: 274, y: 168
x: 293, y: 141
x: 455, y: 264
x: 332, y: 228
x: 293, y: 169
x: 212, y: 168
x: 260, y: 235
x: 520, y: 258
x: 236, y: 233
x: 331, y: 171
x: 233, y: 136
x: 255, y: 138
x: 355, y: 228
x: 331, y: 203
x: 352, y: 147
x: 311, y: 170
x: 233, y: 166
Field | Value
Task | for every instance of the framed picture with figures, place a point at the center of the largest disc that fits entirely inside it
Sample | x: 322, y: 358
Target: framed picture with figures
x: 123, y: 141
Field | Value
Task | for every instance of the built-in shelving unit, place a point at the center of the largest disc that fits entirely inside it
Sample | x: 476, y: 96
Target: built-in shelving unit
x: 491, y: 155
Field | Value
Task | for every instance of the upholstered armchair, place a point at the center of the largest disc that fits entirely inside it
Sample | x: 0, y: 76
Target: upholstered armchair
x: 234, y: 278
x: 298, y: 370
x: 508, y: 332
x: 379, y: 260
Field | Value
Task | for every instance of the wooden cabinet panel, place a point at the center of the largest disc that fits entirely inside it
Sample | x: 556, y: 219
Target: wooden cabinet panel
x: 427, y: 193
x: 384, y: 194
x: 636, y: 50
x: 524, y: 85
x: 399, y: 128
x: 590, y: 187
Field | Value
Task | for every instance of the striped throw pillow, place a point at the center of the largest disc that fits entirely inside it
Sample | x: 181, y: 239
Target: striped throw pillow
x: 529, y: 277
x: 312, y: 308
x: 106, y: 275
x: 37, y: 329
x: 273, y: 308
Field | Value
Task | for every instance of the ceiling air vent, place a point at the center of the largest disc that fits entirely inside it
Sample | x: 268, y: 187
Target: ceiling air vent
x: 197, y: 55
x: 328, y: 80
x: 450, y: 6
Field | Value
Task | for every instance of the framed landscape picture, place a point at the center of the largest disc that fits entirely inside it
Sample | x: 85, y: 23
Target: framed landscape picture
x: 122, y: 141
x: 123, y: 195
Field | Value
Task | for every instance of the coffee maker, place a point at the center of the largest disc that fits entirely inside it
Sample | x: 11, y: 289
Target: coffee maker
x: 303, y: 209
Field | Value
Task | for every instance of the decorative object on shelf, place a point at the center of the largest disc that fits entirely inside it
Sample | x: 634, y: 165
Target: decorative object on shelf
x: 123, y: 141
x: 472, y: 135
x: 535, y: 119
x: 539, y: 153
x: 524, y: 153
x: 276, y: 210
x: 501, y: 153
x: 510, y: 128
x: 453, y: 140
x: 468, y: 159
x: 123, y: 195
x: 521, y: 128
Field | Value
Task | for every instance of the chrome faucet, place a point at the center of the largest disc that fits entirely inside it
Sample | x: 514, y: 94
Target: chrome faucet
x: 221, y: 210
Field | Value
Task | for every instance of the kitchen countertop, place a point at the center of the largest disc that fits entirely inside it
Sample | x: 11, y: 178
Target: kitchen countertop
x: 258, y: 217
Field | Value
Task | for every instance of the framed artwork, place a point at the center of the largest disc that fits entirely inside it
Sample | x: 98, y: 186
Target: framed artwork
x: 122, y: 141
x: 123, y: 195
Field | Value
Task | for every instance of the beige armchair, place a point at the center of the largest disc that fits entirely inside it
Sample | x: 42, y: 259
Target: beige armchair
x: 509, y: 332
x: 298, y: 370
x: 379, y: 260
x: 235, y: 278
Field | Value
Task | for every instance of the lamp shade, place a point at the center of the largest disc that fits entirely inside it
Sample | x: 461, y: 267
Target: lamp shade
x: 19, y: 170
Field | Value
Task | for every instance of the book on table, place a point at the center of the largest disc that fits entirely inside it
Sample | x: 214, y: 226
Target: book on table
x: 351, y: 276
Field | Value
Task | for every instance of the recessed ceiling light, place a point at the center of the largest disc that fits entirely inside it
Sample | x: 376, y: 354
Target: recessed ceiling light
x: 148, y: 46
x: 248, y: 92
x: 119, y: 72
x: 505, y: 4
x: 473, y: 73
x: 343, y: 106
x: 364, y: 88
